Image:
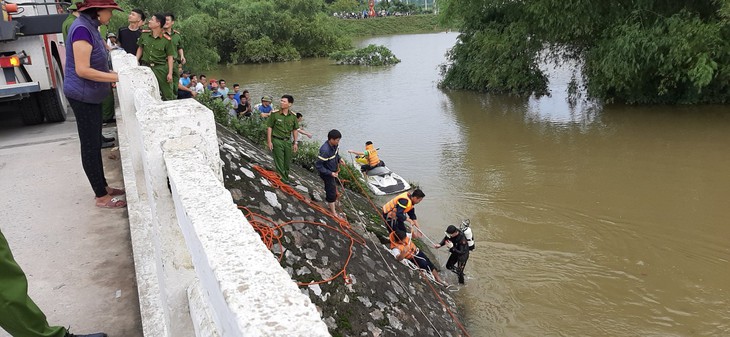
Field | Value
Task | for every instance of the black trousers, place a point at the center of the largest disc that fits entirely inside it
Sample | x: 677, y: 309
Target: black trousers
x: 88, y: 122
x: 366, y: 167
x: 393, y: 224
x: 330, y: 187
x: 457, y: 263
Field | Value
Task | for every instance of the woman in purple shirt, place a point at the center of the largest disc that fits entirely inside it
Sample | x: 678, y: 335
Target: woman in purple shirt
x: 87, y: 83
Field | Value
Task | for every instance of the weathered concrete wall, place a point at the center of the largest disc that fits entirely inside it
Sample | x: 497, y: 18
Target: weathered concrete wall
x: 201, y: 269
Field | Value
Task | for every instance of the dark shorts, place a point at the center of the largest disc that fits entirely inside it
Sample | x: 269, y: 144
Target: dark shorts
x: 330, y: 187
x: 366, y: 167
x: 184, y: 94
x: 393, y: 224
x: 423, y: 262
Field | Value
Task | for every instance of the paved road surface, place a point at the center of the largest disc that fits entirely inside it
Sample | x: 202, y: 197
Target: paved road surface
x: 77, y: 257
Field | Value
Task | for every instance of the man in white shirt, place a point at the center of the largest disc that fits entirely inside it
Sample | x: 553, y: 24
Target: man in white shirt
x: 196, y: 85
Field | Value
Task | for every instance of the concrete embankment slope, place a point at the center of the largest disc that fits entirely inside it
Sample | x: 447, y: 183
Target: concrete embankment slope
x: 379, y: 297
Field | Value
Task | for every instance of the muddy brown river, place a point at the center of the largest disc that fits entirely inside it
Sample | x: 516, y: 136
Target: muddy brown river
x: 590, y: 220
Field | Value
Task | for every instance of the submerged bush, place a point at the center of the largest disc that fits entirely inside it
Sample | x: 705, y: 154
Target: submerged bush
x: 371, y: 55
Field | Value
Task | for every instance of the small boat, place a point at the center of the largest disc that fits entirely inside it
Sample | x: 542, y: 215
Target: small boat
x: 382, y: 180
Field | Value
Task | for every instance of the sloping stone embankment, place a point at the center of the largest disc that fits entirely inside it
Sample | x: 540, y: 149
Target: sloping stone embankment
x: 383, y: 297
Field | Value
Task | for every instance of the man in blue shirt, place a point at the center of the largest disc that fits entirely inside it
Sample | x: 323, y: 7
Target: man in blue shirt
x: 264, y: 108
x: 327, y: 166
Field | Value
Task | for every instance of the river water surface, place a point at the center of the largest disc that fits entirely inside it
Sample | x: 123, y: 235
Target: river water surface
x: 590, y: 221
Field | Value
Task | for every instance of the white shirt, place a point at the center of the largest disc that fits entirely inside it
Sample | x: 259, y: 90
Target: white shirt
x: 199, y: 88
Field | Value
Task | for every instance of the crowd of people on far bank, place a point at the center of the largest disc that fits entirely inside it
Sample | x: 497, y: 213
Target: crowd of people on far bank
x: 364, y: 14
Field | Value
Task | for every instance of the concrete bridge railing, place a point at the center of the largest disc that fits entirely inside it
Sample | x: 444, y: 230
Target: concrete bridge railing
x: 201, y: 268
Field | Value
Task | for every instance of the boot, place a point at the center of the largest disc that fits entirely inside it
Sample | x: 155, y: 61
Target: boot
x: 98, y: 334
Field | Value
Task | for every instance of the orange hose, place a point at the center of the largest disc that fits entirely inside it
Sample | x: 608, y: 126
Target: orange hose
x: 271, y: 232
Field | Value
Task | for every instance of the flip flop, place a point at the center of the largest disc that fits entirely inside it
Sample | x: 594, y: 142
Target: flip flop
x: 116, y: 191
x: 113, y: 203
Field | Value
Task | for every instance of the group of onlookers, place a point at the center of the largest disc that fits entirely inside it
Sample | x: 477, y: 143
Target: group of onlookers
x: 364, y: 14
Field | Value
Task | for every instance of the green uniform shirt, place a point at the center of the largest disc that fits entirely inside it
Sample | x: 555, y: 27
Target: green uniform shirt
x: 155, y: 50
x: 104, y: 31
x: 66, y: 25
x: 282, y: 125
x: 177, y: 44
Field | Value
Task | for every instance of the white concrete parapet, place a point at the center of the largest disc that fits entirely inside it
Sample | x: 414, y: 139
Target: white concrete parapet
x: 249, y: 292
x: 201, y: 268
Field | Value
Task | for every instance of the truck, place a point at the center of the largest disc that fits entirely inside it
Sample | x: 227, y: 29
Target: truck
x: 32, y: 55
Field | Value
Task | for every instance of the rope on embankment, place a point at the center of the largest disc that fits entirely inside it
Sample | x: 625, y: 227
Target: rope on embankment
x: 271, y: 232
x: 422, y: 272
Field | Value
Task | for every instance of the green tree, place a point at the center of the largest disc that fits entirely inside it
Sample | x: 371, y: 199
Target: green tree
x: 639, y: 51
x: 200, y: 51
x: 339, y: 6
x: 223, y: 31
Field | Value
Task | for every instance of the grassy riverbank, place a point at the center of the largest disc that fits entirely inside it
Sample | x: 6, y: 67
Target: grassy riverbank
x: 414, y: 24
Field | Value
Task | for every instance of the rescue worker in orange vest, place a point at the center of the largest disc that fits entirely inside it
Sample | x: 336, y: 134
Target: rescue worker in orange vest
x: 396, y: 210
x: 402, y: 248
x: 371, y: 154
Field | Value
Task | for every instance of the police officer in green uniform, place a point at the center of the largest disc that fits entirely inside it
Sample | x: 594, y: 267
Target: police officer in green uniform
x: 156, y: 51
x: 177, y: 44
x: 72, y: 15
x: 281, y: 136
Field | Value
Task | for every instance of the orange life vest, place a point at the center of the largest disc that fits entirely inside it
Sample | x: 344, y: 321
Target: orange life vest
x: 373, y: 159
x: 389, y: 208
x: 406, y: 247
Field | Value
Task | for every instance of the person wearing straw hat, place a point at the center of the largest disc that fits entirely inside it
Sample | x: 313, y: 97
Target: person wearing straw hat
x: 87, y: 83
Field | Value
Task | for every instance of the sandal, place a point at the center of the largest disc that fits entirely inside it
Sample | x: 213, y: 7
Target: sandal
x: 116, y: 191
x: 113, y: 203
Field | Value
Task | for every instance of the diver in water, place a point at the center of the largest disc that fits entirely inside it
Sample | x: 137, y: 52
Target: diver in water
x: 459, y: 242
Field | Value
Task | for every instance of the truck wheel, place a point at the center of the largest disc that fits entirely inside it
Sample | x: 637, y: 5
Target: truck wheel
x: 30, y: 111
x: 53, y: 101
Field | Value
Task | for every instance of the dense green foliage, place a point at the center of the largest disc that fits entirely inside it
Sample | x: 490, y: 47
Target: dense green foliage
x: 371, y: 55
x: 412, y: 24
x: 258, y: 31
x: 248, y: 31
x: 639, y: 51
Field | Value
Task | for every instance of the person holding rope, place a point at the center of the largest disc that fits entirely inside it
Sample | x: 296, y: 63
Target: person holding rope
x: 458, y: 246
x: 400, y: 207
x: 327, y: 166
x: 404, y: 249
x: 371, y: 155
